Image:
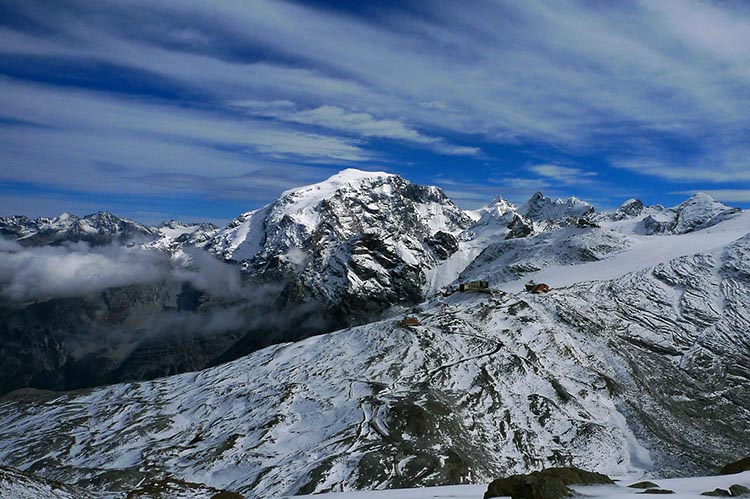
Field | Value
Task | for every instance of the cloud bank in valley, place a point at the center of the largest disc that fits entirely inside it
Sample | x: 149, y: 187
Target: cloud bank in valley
x: 34, y: 273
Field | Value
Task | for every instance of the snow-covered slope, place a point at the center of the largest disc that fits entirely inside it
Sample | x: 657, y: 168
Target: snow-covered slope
x: 15, y: 484
x: 646, y: 371
x: 637, y: 361
x: 509, y: 260
x: 571, y: 254
x: 501, y: 221
x: 473, y: 392
x: 683, y: 488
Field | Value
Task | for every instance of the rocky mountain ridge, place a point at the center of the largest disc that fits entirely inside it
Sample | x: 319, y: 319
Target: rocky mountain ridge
x: 337, y: 252
x: 647, y: 371
x: 343, y: 251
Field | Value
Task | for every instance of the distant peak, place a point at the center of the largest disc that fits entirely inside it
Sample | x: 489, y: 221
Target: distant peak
x: 539, y: 207
x: 172, y: 224
x: 500, y: 200
x: 631, y: 208
x: 702, y: 196
x: 631, y: 201
x: 701, y: 199
x: 100, y: 214
x: 64, y: 218
x: 537, y: 196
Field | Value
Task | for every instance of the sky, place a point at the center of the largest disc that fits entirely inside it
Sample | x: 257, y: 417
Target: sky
x: 200, y: 110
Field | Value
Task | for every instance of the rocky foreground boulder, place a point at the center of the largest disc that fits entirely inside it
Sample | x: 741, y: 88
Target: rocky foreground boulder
x: 736, y: 467
x: 550, y: 483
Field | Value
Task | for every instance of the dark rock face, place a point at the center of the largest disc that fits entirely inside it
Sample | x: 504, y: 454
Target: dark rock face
x: 657, y: 491
x: 15, y: 483
x: 643, y: 485
x: 169, y: 488
x: 519, y: 227
x: 629, y: 209
x: 119, y: 334
x: 736, y: 467
x: 443, y: 244
x: 551, y: 483
x: 717, y: 493
x: 653, y: 226
x: 739, y: 490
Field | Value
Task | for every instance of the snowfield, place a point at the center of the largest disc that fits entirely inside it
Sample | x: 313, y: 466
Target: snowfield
x: 642, y: 252
x: 684, y: 488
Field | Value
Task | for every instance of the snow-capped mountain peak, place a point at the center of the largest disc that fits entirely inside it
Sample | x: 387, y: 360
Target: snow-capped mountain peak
x: 302, y: 204
x: 497, y: 220
x: 540, y: 208
x: 345, y: 204
x: 326, y: 188
x: 355, y: 237
x: 698, y: 212
x: 629, y: 209
x: 499, y: 206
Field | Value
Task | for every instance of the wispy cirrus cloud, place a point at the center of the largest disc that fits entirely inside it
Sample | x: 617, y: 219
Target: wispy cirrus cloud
x: 563, y: 174
x: 623, y: 90
x: 355, y: 123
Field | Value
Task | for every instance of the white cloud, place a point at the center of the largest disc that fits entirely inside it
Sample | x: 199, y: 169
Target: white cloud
x: 265, y: 108
x: 719, y: 168
x: 362, y: 123
x: 356, y: 123
x: 580, y: 77
x: 563, y: 174
x: 35, y: 273
x: 89, y: 141
x: 32, y: 273
x: 94, y: 113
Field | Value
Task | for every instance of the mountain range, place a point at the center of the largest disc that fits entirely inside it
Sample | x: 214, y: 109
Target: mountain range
x: 273, y: 357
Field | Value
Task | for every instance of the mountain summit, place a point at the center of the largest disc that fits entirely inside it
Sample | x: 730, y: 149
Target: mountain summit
x: 356, y: 243
x: 540, y: 208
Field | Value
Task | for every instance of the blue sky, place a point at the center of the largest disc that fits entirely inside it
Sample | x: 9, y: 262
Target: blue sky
x: 202, y: 110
